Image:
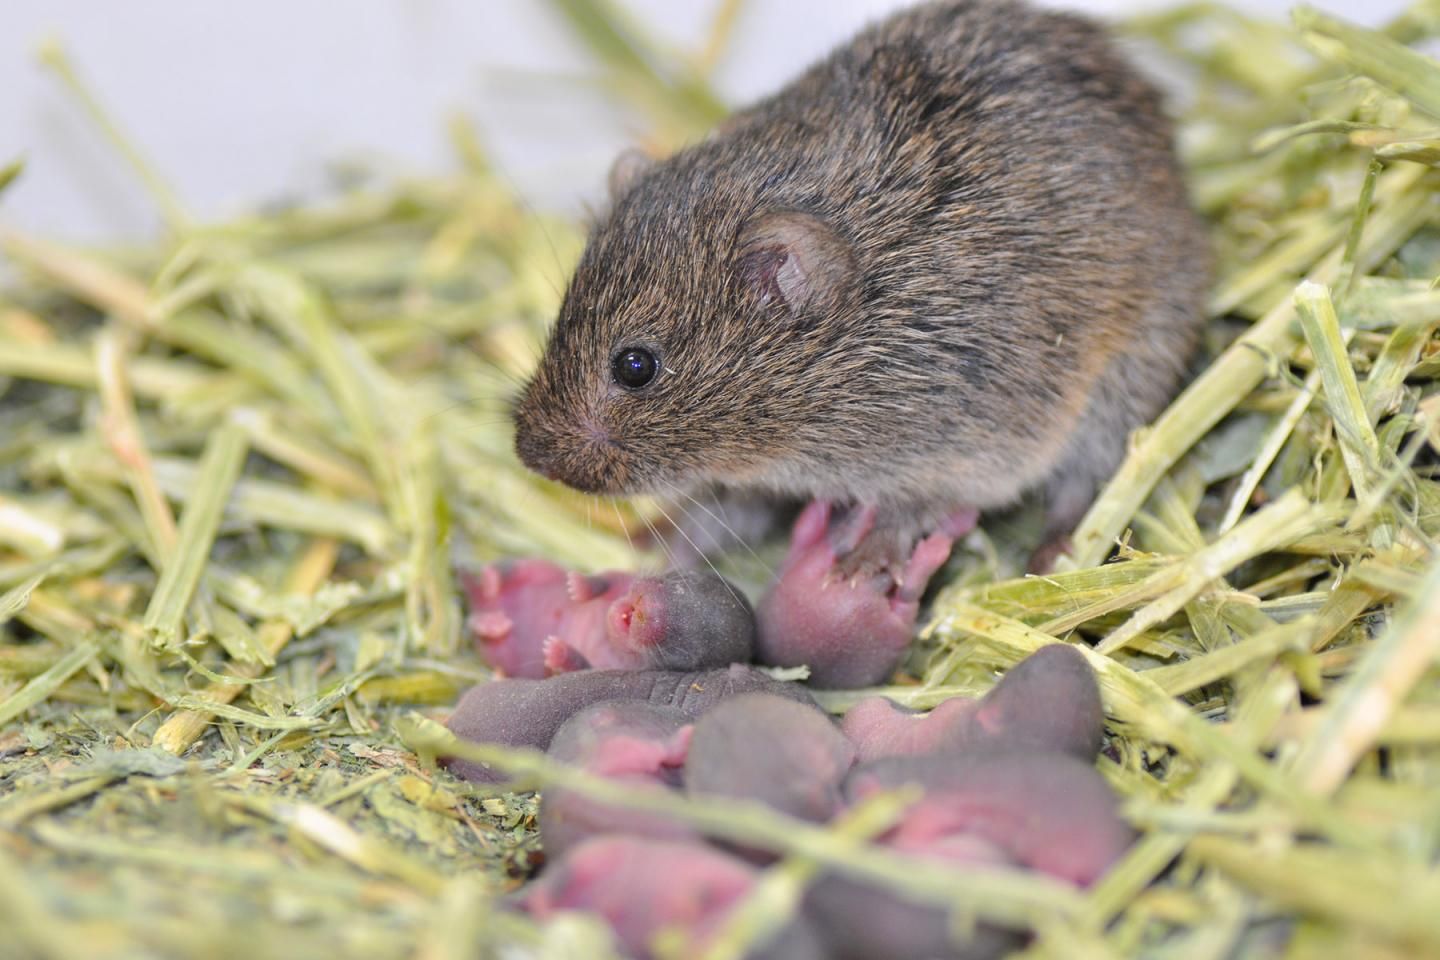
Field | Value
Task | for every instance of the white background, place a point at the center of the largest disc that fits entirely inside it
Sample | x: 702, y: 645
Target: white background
x: 246, y: 101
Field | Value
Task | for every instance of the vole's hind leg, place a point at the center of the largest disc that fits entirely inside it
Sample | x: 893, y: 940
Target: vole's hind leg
x: 1096, y: 447
x: 1066, y: 500
x: 1134, y: 387
x: 722, y: 521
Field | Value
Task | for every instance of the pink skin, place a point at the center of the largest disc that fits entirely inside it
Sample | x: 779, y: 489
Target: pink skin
x: 850, y: 632
x: 641, y: 887
x: 631, y: 741
x: 882, y: 728
x: 1047, y: 811
x: 533, y: 619
x: 1048, y: 701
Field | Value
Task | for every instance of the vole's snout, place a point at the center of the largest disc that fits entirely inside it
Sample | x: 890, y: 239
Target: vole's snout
x: 581, y: 455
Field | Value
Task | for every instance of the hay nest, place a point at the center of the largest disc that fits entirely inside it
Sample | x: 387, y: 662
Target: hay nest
x: 237, y: 468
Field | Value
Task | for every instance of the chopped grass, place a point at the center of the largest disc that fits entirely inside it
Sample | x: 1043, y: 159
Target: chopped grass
x: 238, y: 466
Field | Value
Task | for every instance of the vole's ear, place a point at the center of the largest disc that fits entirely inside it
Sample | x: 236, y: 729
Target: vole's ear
x: 797, y: 259
x: 628, y: 167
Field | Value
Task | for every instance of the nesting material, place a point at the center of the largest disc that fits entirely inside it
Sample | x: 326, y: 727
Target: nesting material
x: 238, y: 466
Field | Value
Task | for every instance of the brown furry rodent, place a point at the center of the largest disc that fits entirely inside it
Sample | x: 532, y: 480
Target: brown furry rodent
x: 950, y: 263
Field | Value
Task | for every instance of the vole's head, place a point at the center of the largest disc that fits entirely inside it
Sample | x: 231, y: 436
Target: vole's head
x: 700, y: 334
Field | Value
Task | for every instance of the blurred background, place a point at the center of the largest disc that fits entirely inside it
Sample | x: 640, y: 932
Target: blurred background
x: 245, y: 104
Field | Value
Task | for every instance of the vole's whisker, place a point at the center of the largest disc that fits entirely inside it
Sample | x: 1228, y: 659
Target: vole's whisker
x: 696, y: 547
x: 664, y: 545
x: 522, y: 200
x: 624, y: 527
x: 515, y: 382
x: 492, y: 419
x: 719, y: 518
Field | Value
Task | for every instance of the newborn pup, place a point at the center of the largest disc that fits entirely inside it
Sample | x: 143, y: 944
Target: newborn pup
x: 851, y: 631
x: 1048, y: 701
x: 534, y: 619
x: 525, y: 615
x: 779, y: 752
x: 880, y: 727
x: 641, y: 887
x: 858, y: 921
x: 686, y: 620
x: 1046, y: 811
x: 982, y: 806
x: 951, y: 263
x: 527, y: 713
x: 626, y: 740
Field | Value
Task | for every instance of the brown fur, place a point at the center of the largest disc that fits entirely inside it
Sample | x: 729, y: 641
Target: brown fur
x: 950, y: 263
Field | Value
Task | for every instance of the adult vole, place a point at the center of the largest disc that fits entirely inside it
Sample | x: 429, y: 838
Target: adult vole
x: 950, y: 263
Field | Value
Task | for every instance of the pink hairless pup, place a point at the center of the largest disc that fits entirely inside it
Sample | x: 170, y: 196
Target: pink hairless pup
x: 533, y: 619
x: 852, y: 631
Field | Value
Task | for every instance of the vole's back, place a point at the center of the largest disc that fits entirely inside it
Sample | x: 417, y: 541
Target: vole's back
x: 1009, y: 186
x: 1028, y: 275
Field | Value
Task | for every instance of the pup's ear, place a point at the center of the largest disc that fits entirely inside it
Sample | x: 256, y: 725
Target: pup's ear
x: 628, y: 167
x: 798, y: 260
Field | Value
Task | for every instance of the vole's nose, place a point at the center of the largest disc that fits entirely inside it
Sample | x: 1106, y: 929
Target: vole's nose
x: 582, y: 461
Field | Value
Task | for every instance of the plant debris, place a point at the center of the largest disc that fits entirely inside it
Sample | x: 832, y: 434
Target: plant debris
x: 239, y: 467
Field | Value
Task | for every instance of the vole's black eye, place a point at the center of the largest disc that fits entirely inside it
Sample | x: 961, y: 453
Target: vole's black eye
x: 634, y: 367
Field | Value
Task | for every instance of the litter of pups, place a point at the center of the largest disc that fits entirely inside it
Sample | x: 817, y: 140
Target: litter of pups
x: 1006, y: 780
